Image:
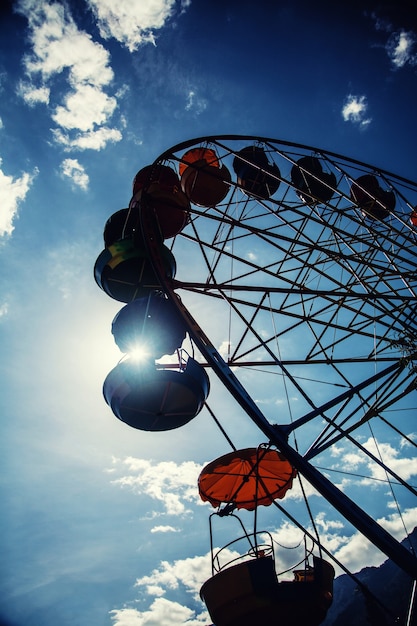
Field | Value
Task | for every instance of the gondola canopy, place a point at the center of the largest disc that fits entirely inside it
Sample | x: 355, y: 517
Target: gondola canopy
x: 246, y: 478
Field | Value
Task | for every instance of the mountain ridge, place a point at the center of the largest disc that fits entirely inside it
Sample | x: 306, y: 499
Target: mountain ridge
x: 387, y: 583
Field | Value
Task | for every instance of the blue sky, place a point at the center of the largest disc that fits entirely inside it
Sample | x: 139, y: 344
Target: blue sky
x: 102, y: 524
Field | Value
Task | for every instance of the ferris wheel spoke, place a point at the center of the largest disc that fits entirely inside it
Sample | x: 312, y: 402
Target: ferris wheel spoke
x: 368, y: 408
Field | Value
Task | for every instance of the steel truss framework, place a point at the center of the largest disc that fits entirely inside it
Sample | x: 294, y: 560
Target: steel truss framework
x: 319, y: 294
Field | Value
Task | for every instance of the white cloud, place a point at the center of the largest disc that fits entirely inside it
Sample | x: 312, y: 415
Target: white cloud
x: 58, y: 44
x: 353, y: 550
x: 404, y: 443
x: 356, y: 552
x: 400, y: 49
x: 91, y: 140
x: 172, y: 484
x: 1, y: 124
x: 326, y: 524
x: 393, y: 458
x: 369, y: 473
x: 74, y: 170
x: 224, y: 349
x: 4, y: 309
x: 289, y: 548
x: 400, y: 46
x: 12, y: 192
x: 190, y: 573
x: 33, y: 95
x: 195, y: 103
x: 297, y: 493
x: 355, y: 110
x: 394, y: 524
x: 155, y: 590
x: 162, y: 612
x: 60, y: 49
x: 84, y: 108
x: 131, y: 23
x: 161, y: 529
x: 351, y: 461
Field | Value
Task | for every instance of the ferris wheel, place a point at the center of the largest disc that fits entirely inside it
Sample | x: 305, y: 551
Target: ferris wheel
x: 293, y: 273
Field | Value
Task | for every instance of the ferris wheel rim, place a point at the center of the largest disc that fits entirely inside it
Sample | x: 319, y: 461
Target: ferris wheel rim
x: 183, y: 145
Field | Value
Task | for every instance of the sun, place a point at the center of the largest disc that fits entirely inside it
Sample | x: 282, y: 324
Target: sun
x: 139, y: 353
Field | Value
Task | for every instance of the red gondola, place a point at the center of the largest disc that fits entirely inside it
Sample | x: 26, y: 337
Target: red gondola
x: 163, y: 194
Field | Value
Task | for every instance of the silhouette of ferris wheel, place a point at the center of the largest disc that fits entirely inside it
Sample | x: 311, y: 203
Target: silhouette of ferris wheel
x: 293, y: 271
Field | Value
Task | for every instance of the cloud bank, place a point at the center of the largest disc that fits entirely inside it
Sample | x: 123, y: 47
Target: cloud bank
x: 169, y: 483
x: 131, y: 23
x: 162, y: 612
x: 64, y: 55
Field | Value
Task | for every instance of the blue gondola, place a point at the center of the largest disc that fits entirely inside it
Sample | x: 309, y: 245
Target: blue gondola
x: 375, y: 203
x: 117, y: 227
x: 153, y: 398
x: 151, y: 323
x: 312, y: 184
x: 255, y: 174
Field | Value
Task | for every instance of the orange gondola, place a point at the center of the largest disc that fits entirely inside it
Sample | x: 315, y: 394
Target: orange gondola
x: 245, y: 589
x: 247, y: 478
x: 195, y: 155
x: 204, y: 180
x: 250, y: 593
